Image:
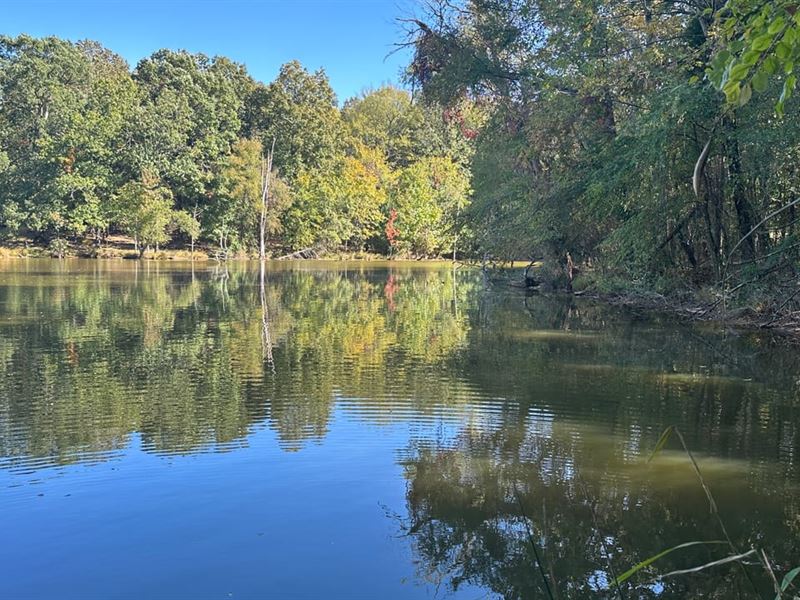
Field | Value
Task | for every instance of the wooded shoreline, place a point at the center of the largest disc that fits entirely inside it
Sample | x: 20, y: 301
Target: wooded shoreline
x: 201, y: 253
x: 699, y: 306
x: 662, y: 165
x: 693, y: 310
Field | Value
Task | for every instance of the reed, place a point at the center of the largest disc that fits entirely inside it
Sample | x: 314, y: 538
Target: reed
x: 736, y: 556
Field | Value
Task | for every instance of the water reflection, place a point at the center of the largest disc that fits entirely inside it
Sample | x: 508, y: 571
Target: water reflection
x: 473, y: 505
x: 519, y: 415
x: 96, y: 351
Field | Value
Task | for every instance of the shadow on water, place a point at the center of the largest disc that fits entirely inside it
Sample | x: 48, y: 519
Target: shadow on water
x: 548, y: 402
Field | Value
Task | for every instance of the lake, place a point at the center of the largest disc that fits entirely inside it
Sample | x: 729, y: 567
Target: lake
x: 376, y: 430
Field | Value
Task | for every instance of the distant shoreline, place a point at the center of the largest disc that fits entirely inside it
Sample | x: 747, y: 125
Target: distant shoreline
x: 122, y: 248
x: 690, y: 309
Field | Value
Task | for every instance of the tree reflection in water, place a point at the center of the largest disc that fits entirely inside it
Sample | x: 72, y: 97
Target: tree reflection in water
x: 556, y: 398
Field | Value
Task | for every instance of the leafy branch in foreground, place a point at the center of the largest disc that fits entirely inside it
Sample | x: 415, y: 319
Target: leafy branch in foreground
x: 761, y: 40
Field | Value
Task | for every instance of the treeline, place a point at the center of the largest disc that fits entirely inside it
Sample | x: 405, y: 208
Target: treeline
x: 172, y: 152
x: 651, y: 142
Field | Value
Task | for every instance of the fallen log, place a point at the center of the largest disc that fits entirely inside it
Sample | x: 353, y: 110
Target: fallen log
x: 305, y: 253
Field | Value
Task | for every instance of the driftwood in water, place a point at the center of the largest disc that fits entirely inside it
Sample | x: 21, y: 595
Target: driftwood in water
x: 530, y: 280
x: 305, y: 253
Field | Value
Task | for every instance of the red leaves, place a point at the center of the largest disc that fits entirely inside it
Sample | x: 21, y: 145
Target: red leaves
x: 454, y: 115
x: 391, y: 230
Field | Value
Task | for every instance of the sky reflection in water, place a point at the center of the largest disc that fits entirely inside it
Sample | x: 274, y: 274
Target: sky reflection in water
x: 370, y: 430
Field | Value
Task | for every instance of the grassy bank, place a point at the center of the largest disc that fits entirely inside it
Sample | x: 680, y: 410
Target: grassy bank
x: 118, y: 246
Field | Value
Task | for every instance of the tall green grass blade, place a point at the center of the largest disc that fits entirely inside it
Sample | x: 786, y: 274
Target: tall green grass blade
x: 787, y: 580
x: 662, y: 441
x: 648, y: 561
x: 712, y: 503
x: 539, y: 562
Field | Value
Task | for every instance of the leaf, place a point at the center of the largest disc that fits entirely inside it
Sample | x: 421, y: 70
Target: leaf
x: 762, y: 42
x: 788, y: 88
x: 787, y: 580
x: 745, y: 94
x: 648, y: 561
x: 731, y: 91
x: 751, y: 57
x: 662, y: 441
x: 776, y: 25
x: 770, y: 65
x: 738, y: 73
x: 760, y: 81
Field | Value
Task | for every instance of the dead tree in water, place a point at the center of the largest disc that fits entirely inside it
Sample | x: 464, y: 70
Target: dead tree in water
x: 266, y: 335
x: 266, y: 179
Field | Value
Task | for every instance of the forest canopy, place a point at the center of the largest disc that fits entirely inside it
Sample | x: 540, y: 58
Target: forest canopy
x: 171, y: 151
x: 653, y: 141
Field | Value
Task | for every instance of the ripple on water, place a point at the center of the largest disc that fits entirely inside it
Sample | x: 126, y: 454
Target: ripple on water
x: 185, y: 406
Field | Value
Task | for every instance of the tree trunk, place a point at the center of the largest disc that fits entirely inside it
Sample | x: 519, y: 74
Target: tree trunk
x: 266, y: 176
x: 196, y: 215
x: 744, y: 211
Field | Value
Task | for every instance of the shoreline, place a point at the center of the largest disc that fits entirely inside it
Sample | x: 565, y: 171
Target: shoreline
x: 742, y: 318
x: 705, y: 305
x: 201, y: 254
x: 686, y: 308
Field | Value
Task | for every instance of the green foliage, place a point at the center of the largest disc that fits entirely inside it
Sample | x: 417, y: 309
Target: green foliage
x: 176, y: 147
x: 787, y: 580
x: 144, y: 210
x: 186, y: 223
x: 388, y: 120
x: 761, y: 41
x: 189, y: 116
x: 428, y: 196
x: 298, y: 111
x: 341, y: 206
x: 363, y: 187
x: 648, y: 561
x: 596, y: 117
x: 63, y: 109
x: 232, y: 216
x: 58, y: 247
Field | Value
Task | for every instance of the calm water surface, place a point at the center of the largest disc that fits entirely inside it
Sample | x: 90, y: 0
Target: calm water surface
x: 335, y: 430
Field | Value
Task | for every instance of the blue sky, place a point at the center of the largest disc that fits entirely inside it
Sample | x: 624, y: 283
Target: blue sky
x: 349, y: 38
